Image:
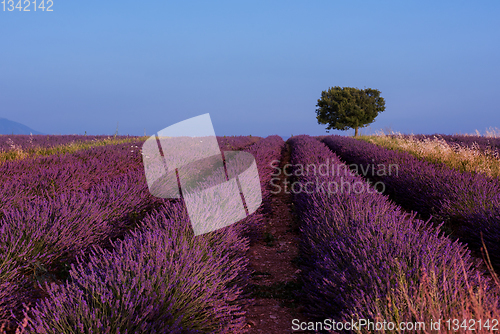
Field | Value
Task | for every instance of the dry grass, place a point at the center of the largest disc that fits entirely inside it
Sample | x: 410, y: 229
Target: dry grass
x: 491, y: 132
x: 437, y: 150
x: 424, y: 306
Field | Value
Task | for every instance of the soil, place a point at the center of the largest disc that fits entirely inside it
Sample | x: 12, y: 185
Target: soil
x: 275, y: 282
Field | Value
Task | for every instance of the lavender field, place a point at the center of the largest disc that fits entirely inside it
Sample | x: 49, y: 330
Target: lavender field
x: 85, y: 247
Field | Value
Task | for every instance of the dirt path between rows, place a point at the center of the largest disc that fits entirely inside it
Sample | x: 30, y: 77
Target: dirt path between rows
x: 274, y: 257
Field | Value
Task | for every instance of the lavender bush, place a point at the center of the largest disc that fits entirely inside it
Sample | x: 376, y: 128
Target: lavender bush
x: 265, y: 152
x: 364, y: 257
x: 231, y: 143
x: 160, y: 278
x: 468, y: 203
x: 40, y: 238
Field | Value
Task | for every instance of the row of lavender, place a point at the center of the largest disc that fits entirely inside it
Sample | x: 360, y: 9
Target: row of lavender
x: 365, y: 258
x: 236, y: 143
x: 56, y: 207
x: 47, y: 175
x: 468, y: 203
x: 27, y: 142
x: 45, y: 224
x: 160, y: 278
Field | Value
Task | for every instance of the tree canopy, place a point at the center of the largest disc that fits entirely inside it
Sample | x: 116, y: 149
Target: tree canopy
x: 344, y: 108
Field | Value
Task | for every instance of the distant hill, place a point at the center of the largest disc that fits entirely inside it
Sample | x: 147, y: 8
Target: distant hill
x: 8, y: 127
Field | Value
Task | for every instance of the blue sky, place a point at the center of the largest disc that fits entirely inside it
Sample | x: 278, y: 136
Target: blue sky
x: 258, y: 67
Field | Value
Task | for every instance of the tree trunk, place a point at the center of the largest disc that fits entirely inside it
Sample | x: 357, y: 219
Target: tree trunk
x: 356, y: 132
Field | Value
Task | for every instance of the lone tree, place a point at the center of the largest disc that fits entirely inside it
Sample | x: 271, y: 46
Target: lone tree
x: 345, y: 108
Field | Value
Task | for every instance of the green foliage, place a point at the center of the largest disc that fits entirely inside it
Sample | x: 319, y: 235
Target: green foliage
x: 343, y: 108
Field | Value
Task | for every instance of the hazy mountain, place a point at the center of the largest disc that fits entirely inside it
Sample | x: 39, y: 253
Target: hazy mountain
x: 8, y: 127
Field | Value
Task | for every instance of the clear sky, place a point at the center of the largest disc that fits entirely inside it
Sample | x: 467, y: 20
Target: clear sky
x: 258, y: 67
